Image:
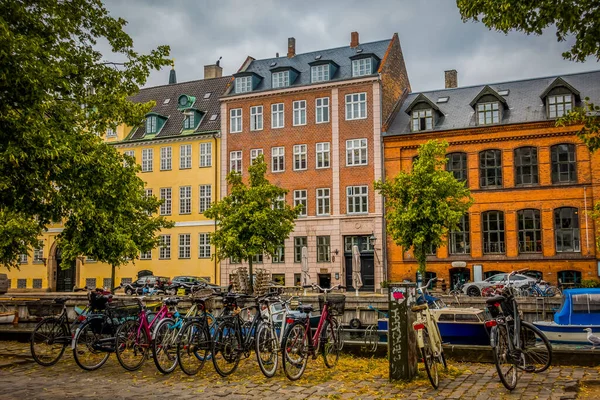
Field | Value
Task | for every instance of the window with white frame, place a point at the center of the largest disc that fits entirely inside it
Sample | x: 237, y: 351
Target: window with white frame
x: 38, y: 254
x: 278, y: 159
x: 422, y: 120
x: 256, y: 118
x: 323, y: 249
x: 185, y: 245
x: 130, y: 153
x: 319, y: 73
x: 322, y: 110
x: 488, y: 113
x: 147, y: 156
x: 185, y: 156
x: 166, y: 154
x: 235, y: 161
x: 279, y: 202
x: 254, y: 153
x: 151, y: 124
x: 205, y: 192
x: 299, y: 112
x: 243, y: 84
x: 323, y: 201
x: 235, y: 120
x: 111, y: 133
x: 164, y: 251
x: 203, y: 245
x: 281, y: 79
x: 165, y: 196
x: 300, y: 199
x: 205, y: 154
x: 299, y: 157
x: 558, y: 105
x: 23, y: 258
x: 277, y: 115
x: 189, y: 121
x: 279, y: 256
x: 147, y: 194
x: 356, y: 152
x: 356, y: 106
x: 185, y: 200
x: 357, y: 199
x: 362, y: 67
x: 323, y: 155
x: 146, y: 255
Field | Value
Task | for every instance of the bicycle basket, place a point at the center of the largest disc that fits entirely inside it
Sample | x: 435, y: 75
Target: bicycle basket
x: 335, y: 302
x: 121, y: 310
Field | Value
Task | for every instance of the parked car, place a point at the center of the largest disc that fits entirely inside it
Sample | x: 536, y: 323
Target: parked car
x: 3, y: 283
x: 518, y: 280
x: 186, y: 282
x: 148, y: 281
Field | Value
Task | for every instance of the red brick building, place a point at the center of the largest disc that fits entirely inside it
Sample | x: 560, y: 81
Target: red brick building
x: 534, y: 184
x: 317, y: 118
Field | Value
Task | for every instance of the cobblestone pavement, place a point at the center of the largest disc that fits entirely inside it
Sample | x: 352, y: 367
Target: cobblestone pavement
x: 353, y: 378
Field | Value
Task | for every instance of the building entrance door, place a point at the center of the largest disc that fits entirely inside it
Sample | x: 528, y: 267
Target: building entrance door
x: 367, y: 262
x: 65, y: 274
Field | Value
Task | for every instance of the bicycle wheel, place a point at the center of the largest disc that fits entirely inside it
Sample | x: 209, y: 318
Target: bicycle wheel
x: 429, y: 360
x: 226, y: 352
x: 506, y: 365
x: 551, y: 291
x: 536, y: 347
x: 330, y: 343
x: 165, y: 346
x: 131, y: 348
x: 295, y: 351
x: 92, y: 344
x: 48, y: 341
x: 267, y: 349
x: 193, y: 347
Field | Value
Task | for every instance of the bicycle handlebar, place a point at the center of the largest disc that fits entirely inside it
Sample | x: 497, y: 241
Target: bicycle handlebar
x: 315, y: 286
x: 427, y: 285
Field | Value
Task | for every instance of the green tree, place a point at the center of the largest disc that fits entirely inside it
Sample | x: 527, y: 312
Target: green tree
x: 252, y: 218
x: 58, y: 94
x: 577, y: 18
x: 422, y: 205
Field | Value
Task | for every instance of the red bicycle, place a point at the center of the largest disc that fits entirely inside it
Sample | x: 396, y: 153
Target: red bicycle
x: 134, y: 337
x: 298, y: 343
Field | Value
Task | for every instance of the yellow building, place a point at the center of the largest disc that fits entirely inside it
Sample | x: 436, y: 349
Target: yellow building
x: 177, y: 147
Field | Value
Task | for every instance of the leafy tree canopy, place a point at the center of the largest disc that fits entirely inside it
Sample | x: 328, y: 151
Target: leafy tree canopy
x: 58, y: 94
x: 422, y: 205
x: 577, y: 18
x: 589, y: 116
x: 252, y: 218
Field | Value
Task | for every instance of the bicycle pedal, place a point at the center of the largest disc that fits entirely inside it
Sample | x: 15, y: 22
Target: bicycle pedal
x: 529, y: 368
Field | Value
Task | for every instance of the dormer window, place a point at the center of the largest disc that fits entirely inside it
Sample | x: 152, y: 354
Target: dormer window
x: 489, y: 107
x: 191, y: 119
x: 151, y: 124
x: 362, y: 66
x: 243, y: 84
x: 488, y: 113
x: 319, y: 73
x: 422, y: 120
x: 560, y: 98
x: 280, y: 79
x: 559, y: 105
x: 188, y: 122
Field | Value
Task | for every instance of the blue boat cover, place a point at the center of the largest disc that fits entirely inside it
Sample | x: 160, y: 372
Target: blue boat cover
x: 580, y: 307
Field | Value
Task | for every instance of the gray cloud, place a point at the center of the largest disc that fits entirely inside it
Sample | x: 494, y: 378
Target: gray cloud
x: 432, y: 35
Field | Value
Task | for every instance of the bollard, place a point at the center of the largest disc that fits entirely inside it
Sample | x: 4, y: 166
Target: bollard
x: 402, y: 346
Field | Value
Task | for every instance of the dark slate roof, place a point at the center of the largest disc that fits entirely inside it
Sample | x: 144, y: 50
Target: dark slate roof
x: 524, y: 102
x: 340, y: 56
x: 174, y: 124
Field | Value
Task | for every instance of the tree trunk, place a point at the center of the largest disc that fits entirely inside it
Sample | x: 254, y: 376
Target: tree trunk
x: 112, y: 278
x: 250, y: 283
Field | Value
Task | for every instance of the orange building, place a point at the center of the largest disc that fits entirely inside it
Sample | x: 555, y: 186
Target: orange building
x: 534, y: 184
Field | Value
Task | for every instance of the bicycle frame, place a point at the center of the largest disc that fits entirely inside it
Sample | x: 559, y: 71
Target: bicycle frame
x: 425, y: 320
x: 284, y: 312
x: 162, y: 313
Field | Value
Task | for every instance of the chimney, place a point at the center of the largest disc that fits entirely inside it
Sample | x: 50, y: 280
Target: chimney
x: 354, y: 39
x: 172, y: 76
x: 291, y: 47
x: 214, y: 70
x: 451, y: 78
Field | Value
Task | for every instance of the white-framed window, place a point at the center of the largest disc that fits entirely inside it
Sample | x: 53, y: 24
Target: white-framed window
x: 190, y: 121
x: 299, y: 157
x: 322, y: 110
x: 235, y: 161
x: 22, y: 258
x: 185, y: 200
x: 323, y: 155
x: 147, y: 158
x: 147, y: 194
x: 488, y: 113
x: 166, y: 154
x: 146, y: 256
x: 357, y: 199
x: 356, y: 152
x: 256, y: 118
x: 185, y: 156
x: 243, y: 84
x: 185, y: 245
x: 164, y: 250
x: 205, y: 154
x: 277, y: 115
x: 319, y: 73
x: 279, y: 258
x: 130, y: 153
x: 111, y: 133
x: 203, y: 245
x: 323, y: 201
x: 557, y: 105
x: 151, y: 124
x: 356, y: 106
x: 165, y: 195
x: 362, y: 67
x: 299, y: 112
x: 205, y: 193
x: 279, y: 202
x: 254, y: 153
x: 278, y: 159
x: 422, y: 120
x: 300, y: 198
x: 235, y: 120
x: 38, y: 254
x: 280, y: 79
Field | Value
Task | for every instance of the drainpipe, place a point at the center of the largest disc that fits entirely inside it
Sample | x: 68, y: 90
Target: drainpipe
x: 216, y: 166
x: 587, y: 238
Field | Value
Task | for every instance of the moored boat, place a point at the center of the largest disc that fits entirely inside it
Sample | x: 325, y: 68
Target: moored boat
x: 9, y: 317
x: 462, y: 325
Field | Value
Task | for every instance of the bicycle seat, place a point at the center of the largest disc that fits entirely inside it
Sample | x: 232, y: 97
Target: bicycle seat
x: 495, y: 299
x: 419, y: 308
x: 61, y: 300
x: 171, y: 302
x: 305, y: 308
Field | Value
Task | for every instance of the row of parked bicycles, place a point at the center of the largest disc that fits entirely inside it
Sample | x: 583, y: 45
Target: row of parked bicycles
x: 136, y: 332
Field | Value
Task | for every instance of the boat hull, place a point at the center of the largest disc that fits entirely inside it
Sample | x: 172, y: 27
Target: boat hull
x: 464, y: 333
x: 573, y: 334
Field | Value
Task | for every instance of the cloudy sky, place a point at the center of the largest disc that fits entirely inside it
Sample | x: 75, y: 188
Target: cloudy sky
x: 432, y: 35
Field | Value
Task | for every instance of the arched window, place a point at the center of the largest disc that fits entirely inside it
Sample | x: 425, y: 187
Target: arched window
x: 460, y: 239
x: 530, y: 231
x: 569, y: 278
x: 457, y: 164
x: 566, y: 229
x: 490, y: 169
x: 493, y: 232
x: 526, y: 166
x: 563, y: 163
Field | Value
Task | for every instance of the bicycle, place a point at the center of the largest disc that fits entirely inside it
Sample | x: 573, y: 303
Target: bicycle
x: 534, y: 289
x: 528, y: 351
x: 299, y: 343
x: 429, y: 340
